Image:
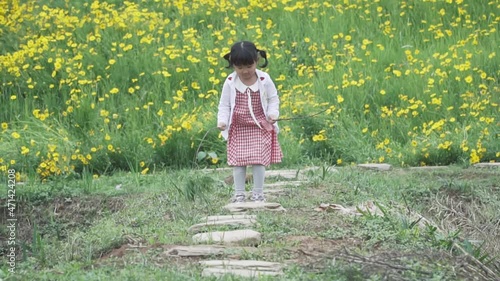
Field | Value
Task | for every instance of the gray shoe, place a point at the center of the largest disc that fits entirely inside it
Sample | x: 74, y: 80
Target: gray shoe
x: 238, y: 198
x: 258, y: 197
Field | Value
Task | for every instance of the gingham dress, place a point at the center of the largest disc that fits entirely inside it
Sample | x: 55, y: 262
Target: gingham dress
x: 247, y: 143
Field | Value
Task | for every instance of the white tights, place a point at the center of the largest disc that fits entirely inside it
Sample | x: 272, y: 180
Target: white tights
x: 240, y: 173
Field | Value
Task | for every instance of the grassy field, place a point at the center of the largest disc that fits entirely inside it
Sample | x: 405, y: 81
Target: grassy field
x: 69, y: 235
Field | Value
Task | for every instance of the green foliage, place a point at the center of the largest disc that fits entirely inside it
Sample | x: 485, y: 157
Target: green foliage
x: 100, y: 85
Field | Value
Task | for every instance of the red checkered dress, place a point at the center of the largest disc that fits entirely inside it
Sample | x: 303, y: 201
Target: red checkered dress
x: 247, y: 143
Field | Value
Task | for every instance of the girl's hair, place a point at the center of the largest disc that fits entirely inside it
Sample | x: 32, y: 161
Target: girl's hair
x: 244, y: 53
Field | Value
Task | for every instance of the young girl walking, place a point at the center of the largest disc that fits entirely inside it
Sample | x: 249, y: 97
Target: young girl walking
x: 248, y: 110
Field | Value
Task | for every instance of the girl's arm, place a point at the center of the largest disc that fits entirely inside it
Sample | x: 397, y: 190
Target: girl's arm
x: 224, y: 105
x: 273, y: 101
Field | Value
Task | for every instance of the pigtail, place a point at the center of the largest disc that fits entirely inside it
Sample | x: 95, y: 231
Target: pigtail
x: 228, y: 58
x: 264, y: 56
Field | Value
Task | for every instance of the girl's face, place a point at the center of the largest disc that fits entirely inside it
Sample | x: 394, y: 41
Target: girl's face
x: 246, y: 72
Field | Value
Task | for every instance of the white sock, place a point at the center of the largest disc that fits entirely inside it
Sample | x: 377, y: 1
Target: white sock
x: 259, y: 173
x: 239, y: 176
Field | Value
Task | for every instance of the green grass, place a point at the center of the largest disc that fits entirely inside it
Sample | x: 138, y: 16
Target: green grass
x: 72, y: 231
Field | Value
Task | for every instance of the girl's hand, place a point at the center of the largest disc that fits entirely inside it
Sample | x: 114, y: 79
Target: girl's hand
x: 221, y: 126
x: 271, y: 119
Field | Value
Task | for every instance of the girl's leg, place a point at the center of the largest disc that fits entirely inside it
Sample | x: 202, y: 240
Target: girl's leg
x: 239, y: 176
x: 259, y: 173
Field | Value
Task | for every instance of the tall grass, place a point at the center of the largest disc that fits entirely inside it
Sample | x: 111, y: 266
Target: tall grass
x: 102, y: 86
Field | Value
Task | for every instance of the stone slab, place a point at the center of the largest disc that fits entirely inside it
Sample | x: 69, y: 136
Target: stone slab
x: 269, y: 192
x: 243, y: 268
x: 378, y: 167
x: 244, y: 237
x: 283, y: 184
x: 429, y: 168
x: 226, y: 222
x: 204, y: 250
x: 247, y: 273
x: 196, y: 251
x: 487, y: 165
x: 288, y: 174
x: 227, y: 217
x: 254, y: 206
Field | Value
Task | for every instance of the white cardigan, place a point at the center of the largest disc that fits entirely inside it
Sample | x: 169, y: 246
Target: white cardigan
x: 268, y: 96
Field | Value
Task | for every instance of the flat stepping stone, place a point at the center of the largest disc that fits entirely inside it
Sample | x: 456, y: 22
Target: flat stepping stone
x: 242, y: 268
x: 487, y: 165
x: 283, y: 184
x: 429, y: 168
x: 204, y: 250
x: 288, y: 174
x: 223, y: 222
x: 244, y: 237
x: 378, y: 167
x: 227, y: 217
x: 269, y: 192
x: 254, y: 206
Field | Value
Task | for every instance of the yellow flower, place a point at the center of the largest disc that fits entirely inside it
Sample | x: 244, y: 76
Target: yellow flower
x: 114, y: 91
x: 145, y: 171
x: 13, y: 97
x: 319, y: 137
x: 397, y: 73
x: 340, y: 99
x: 339, y: 161
x: 468, y: 79
x: 5, y: 126
x: 24, y: 150
x: 16, y: 135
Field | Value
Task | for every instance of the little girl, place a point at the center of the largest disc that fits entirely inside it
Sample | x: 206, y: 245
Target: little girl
x: 248, y: 110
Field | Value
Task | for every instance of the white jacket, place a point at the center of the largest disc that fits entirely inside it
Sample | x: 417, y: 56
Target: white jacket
x: 268, y: 96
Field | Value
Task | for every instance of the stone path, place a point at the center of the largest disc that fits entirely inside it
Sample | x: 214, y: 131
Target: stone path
x: 210, y: 243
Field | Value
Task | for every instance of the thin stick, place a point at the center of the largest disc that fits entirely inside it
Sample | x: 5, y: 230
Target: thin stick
x: 302, y: 117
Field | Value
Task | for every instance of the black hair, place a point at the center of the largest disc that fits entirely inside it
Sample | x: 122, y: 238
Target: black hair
x: 244, y: 53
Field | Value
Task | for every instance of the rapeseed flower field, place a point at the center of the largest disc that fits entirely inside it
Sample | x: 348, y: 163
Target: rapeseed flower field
x: 101, y: 86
